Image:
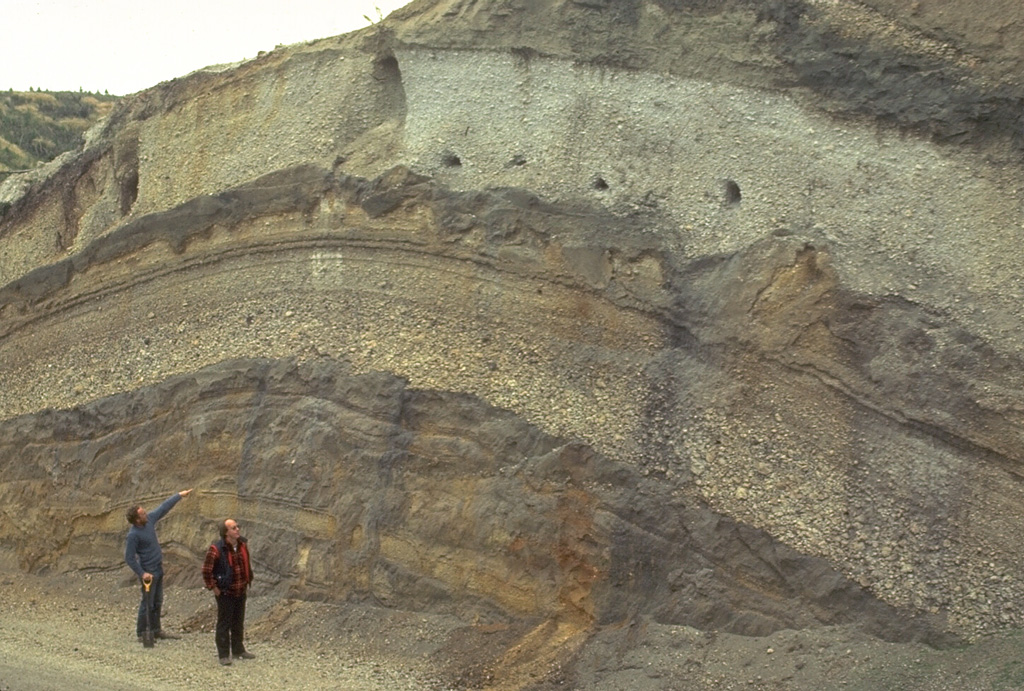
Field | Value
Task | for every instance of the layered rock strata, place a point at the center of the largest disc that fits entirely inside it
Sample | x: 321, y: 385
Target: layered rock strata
x: 761, y: 290
x: 360, y: 486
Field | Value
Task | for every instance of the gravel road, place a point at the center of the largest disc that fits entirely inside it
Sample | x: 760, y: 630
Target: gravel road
x: 81, y: 636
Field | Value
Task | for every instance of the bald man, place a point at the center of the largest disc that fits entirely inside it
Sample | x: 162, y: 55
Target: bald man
x: 227, y: 571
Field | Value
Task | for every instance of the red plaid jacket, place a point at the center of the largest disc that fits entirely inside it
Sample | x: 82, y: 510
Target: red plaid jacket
x: 238, y: 563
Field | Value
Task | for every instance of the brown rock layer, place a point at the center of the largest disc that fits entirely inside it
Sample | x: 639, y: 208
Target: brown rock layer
x: 361, y: 487
x: 555, y: 313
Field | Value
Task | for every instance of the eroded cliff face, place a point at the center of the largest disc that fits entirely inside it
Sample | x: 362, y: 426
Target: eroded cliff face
x: 560, y: 311
x: 360, y: 486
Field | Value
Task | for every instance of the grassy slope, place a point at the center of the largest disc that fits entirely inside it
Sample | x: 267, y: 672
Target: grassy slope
x: 38, y: 126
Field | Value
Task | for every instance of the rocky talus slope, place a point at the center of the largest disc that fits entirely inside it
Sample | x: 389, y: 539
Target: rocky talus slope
x: 552, y: 316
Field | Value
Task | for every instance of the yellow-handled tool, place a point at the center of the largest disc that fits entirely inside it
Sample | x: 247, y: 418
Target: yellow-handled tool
x: 148, y: 638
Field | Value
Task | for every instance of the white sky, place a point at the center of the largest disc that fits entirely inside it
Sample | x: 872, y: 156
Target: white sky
x: 124, y: 46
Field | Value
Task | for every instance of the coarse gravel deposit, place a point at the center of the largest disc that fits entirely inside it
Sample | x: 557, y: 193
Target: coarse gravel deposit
x: 76, y: 631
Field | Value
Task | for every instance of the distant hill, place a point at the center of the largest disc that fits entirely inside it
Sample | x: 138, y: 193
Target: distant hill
x: 38, y: 126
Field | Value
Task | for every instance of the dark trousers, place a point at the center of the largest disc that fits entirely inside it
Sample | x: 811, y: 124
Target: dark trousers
x: 156, y: 595
x: 230, y: 624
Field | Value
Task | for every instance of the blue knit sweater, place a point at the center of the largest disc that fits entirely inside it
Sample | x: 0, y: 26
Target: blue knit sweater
x: 141, y: 548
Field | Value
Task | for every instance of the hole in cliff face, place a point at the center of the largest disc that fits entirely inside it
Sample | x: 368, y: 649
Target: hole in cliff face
x: 126, y: 170
x: 386, y: 69
x: 387, y: 97
x: 450, y: 160
x: 129, y: 191
x: 731, y: 192
x: 599, y: 184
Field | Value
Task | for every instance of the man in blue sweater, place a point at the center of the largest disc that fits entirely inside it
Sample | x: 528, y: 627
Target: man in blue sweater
x: 143, y: 555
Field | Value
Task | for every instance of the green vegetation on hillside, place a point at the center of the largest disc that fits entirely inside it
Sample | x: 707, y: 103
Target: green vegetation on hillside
x: 38, y: 126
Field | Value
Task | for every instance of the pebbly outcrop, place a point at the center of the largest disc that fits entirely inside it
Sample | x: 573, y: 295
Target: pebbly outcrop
x: 557, y: 312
